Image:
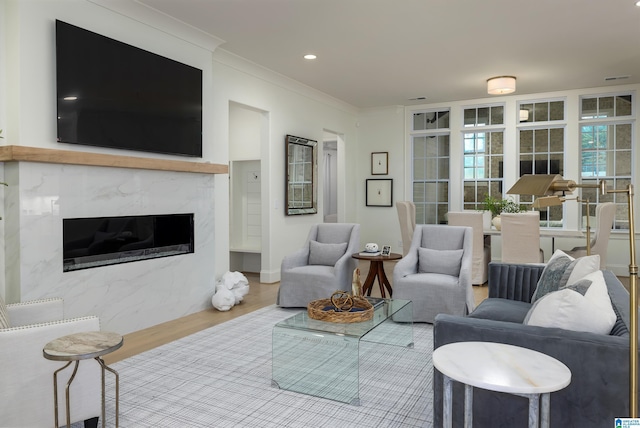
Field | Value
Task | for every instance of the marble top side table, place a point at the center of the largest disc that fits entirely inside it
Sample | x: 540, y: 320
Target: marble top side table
x: 502, y: 368
x: 83, y: 346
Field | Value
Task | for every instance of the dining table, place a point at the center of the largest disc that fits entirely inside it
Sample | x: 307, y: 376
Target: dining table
x: 552, y: 233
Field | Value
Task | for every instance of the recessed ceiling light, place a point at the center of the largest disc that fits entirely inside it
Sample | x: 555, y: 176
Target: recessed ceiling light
x: 638, y: 3
x: 70, y: 98
x: 310, y: 56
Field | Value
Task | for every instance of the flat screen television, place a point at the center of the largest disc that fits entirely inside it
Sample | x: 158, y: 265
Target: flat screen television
x: 111, y: 94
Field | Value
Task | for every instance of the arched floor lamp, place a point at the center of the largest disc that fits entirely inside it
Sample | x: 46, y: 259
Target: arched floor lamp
x: 549, y: 189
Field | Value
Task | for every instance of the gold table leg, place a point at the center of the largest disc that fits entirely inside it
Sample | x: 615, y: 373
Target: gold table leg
x: 55, y: 393
x: 117, y: 376
x: 68, y: 385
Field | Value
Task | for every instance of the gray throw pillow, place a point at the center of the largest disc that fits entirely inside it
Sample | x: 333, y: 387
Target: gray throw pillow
x: 561, y: 270
x: 446, y: 262
x: 325, y: 254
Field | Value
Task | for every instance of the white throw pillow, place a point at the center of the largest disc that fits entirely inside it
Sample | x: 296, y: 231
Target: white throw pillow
x: 562, y: 269
x: 446, y: 262
x: 325, y: 254
x: 570, y: 309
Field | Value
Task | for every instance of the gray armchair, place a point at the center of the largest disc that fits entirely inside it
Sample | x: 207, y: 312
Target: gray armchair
x: 436, y: 272
x: 322, y: 266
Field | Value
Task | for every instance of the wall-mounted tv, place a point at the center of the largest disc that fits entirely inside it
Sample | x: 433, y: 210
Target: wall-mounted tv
x: 111, y: 94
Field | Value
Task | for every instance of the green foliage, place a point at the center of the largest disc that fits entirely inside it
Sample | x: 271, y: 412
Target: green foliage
x: 497, y: 206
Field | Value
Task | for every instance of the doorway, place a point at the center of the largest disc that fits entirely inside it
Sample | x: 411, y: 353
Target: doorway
x: 330, y: 177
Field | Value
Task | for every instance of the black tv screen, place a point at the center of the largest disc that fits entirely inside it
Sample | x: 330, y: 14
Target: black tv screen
x: 111, y: 94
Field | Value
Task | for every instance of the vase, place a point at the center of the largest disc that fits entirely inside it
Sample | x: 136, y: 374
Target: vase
x: 496, y: 222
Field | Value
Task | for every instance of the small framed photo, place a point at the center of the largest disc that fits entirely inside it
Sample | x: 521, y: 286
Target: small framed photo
x: 379, y: 192
x: 386, y: 250
x: 379, y: 163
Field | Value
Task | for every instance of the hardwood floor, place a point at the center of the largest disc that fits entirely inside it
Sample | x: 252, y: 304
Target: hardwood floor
x: 260, y: 295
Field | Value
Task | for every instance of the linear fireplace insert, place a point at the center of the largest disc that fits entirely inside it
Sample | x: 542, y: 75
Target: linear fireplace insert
x: 101, y: 241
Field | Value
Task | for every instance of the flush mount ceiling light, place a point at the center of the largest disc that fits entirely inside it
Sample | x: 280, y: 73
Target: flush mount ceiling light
x: 310, y: 56
x: 501, y: 85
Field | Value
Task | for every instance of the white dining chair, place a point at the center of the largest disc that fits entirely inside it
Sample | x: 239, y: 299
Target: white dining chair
x: 605, y: 214
x: 407, y: 219
x: 520, y: 234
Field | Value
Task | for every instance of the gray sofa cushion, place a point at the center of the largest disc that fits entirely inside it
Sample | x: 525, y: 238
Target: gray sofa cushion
x: 501, y: 310
x: 325, y: 254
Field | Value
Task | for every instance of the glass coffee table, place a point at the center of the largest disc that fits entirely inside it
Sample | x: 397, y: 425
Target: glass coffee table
x: 322, y: 358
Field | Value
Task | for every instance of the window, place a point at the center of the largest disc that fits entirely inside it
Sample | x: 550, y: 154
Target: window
x: 430, y: 153
x: 541, y: 111
x: 541, y: 147
x: 483, y: 155
x: 606, y: 142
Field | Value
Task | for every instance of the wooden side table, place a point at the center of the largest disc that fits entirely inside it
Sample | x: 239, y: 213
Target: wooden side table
x: 376, y: 270
x: 82, y: 346
x: 503, y: 368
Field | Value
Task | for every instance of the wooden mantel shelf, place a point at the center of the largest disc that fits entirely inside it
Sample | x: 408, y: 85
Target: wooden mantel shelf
x: 35, y: 154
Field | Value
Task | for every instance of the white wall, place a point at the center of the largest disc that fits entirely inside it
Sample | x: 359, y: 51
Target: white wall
x: 381, y: 130
x: 292, y: 109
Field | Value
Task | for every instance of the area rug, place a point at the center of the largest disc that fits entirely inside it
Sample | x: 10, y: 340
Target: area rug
x: 221, y: 377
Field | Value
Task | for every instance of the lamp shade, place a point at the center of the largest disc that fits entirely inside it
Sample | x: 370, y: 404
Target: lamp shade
x: 501, y: 85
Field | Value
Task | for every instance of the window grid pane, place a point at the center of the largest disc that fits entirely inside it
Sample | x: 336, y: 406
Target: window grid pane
x: 606, y: 153
x: 542, y: 152
x: 431, y: 167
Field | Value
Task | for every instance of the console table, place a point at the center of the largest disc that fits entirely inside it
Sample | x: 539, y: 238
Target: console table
x: 502, y: 368
x: 82, y: 346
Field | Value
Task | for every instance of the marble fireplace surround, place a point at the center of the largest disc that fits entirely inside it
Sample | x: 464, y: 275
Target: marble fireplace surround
x: 47, y: 185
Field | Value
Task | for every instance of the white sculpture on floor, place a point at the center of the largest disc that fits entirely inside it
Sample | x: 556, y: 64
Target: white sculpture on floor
x: 229, y: 291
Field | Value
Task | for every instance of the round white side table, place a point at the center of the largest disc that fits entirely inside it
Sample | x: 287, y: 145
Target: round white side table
x: 82, y: 346
x: 502, y: 368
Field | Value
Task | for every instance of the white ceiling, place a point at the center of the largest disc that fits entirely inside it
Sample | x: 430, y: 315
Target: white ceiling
x: 384, y: 52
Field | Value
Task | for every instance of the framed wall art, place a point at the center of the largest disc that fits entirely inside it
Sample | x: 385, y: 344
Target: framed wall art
x: 379, y: 192
x: 379, y: 163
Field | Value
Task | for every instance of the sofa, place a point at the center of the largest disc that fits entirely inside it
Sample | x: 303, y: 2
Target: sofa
x: 599, y: 363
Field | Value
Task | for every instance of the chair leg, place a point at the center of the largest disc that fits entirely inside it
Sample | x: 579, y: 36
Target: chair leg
x: 91, y: 423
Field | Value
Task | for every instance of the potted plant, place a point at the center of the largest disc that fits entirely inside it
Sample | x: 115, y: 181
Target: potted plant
x: 498, y: 206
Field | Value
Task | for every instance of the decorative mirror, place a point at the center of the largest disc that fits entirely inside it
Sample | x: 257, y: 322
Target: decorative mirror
x: 302, y: 176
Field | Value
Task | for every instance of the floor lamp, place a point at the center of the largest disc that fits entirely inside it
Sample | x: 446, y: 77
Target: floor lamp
x: 549, y: 188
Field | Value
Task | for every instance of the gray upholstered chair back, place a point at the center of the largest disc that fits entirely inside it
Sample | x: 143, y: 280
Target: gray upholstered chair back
x: 438, y: 237
x: 332, y: 233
